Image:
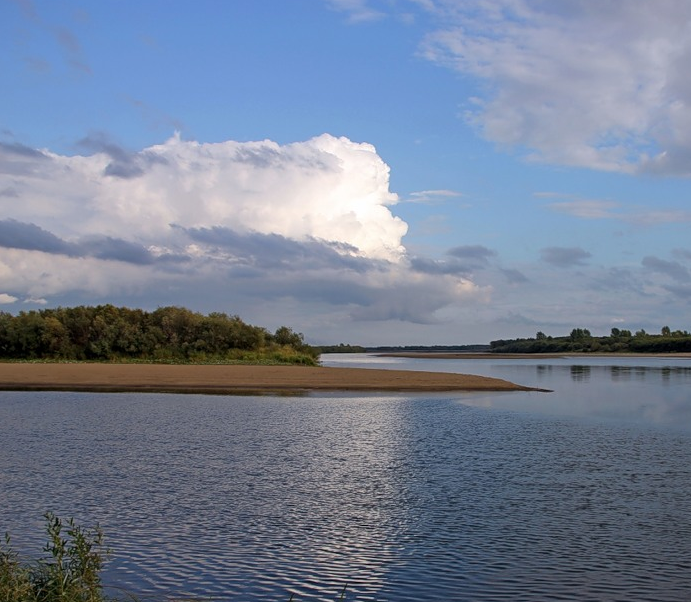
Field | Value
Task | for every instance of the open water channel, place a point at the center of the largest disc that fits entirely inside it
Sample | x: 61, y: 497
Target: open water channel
x: 579, y: 494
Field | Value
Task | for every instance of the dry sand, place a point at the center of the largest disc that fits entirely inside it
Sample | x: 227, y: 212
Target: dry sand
x: 222, y: 379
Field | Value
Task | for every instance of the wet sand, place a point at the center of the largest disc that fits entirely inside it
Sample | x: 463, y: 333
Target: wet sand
x: 228, y: 379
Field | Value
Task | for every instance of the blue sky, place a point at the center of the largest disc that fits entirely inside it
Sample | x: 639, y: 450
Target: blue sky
x: 364, y: 171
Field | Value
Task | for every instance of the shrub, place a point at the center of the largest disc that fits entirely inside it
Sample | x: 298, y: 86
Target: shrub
x: 70, y: 572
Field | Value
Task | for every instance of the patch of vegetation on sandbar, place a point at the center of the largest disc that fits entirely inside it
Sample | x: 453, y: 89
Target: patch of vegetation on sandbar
x: 106, y: 333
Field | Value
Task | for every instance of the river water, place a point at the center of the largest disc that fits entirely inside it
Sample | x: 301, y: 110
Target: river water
x: 579, y: 494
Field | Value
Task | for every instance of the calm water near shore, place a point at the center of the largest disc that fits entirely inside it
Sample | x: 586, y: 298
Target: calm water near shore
x: 579, y: 494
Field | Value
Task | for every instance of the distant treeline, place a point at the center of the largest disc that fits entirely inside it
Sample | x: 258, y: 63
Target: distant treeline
x: 344, y: 348
x: 580, y: 340
x: 430, y: 348
x: 108, y: 333
x: 340, y: 348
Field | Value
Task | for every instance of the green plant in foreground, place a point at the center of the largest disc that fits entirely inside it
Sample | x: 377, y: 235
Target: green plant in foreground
x: 69, y: 573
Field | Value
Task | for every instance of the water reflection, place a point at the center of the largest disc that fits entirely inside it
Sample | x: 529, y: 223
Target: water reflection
x: 651, y: 391
x: 584, y: 493
x: 580, y: 373
x: 665, y: 375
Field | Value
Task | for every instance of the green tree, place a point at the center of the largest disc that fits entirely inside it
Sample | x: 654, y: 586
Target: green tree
x: 578, y: 334
x: 286, y: 336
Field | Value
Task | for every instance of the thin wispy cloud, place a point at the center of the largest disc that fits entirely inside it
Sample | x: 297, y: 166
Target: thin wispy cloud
x: 357, y: 11
x: 64, y: 37
x: 636, y: 215
x: 432, y: 197
x: 589, y: 209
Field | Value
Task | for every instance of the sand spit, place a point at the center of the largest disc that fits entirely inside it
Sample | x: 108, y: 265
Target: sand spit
x: 228, y: 379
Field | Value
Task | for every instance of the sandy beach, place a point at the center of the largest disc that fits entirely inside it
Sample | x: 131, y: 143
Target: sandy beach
x: 227, y: 379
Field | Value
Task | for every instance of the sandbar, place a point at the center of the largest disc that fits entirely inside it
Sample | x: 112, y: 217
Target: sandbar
x: 233, y: 379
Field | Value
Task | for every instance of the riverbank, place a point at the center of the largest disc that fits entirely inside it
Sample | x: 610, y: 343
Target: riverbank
x: 229, y: 379
x: 463, y: 355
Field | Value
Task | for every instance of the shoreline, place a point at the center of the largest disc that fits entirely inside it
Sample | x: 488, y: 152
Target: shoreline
x: 472, y: 355
x: 234, y: 379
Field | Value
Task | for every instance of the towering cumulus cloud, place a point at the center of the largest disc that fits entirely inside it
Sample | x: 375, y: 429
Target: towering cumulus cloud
x: 327, y: 189
x: 185, y: 221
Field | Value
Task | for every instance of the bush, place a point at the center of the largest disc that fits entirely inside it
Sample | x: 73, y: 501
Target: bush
x: 70, y: 573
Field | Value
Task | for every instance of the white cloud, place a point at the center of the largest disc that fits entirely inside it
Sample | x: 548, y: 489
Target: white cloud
x: 217, y: 227
x: 327, y: 188
x: 432, y: 197
x: 595, y: 84
x: 6, y: 299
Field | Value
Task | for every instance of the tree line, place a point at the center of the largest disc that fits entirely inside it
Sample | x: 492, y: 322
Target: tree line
x: 580, y: 340
x: 109, y: 333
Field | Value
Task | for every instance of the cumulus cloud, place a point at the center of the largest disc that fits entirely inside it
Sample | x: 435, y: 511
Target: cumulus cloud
x: 231, y: 223
x: 564, y: 257
x: 326, y: 188
x: 594, y: 84
x: 6, y: 299
x: 276, y: 251
x: 20, y: 235
x: 123, y: 164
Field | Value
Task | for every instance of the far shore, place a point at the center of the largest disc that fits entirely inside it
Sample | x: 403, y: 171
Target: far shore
x: 472, y: 355
x: 233, y: 379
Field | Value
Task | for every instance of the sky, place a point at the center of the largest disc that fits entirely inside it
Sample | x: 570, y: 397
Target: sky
x: 372, y: 172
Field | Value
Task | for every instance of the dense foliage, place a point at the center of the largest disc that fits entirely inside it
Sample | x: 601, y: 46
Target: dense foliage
x: 108, y: 333
x: 580, y: 340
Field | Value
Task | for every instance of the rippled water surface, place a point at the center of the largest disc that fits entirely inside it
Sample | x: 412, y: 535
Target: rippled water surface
x: 443, y: 497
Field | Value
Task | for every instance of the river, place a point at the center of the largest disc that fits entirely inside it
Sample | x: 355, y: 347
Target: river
x: 579, y: 494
